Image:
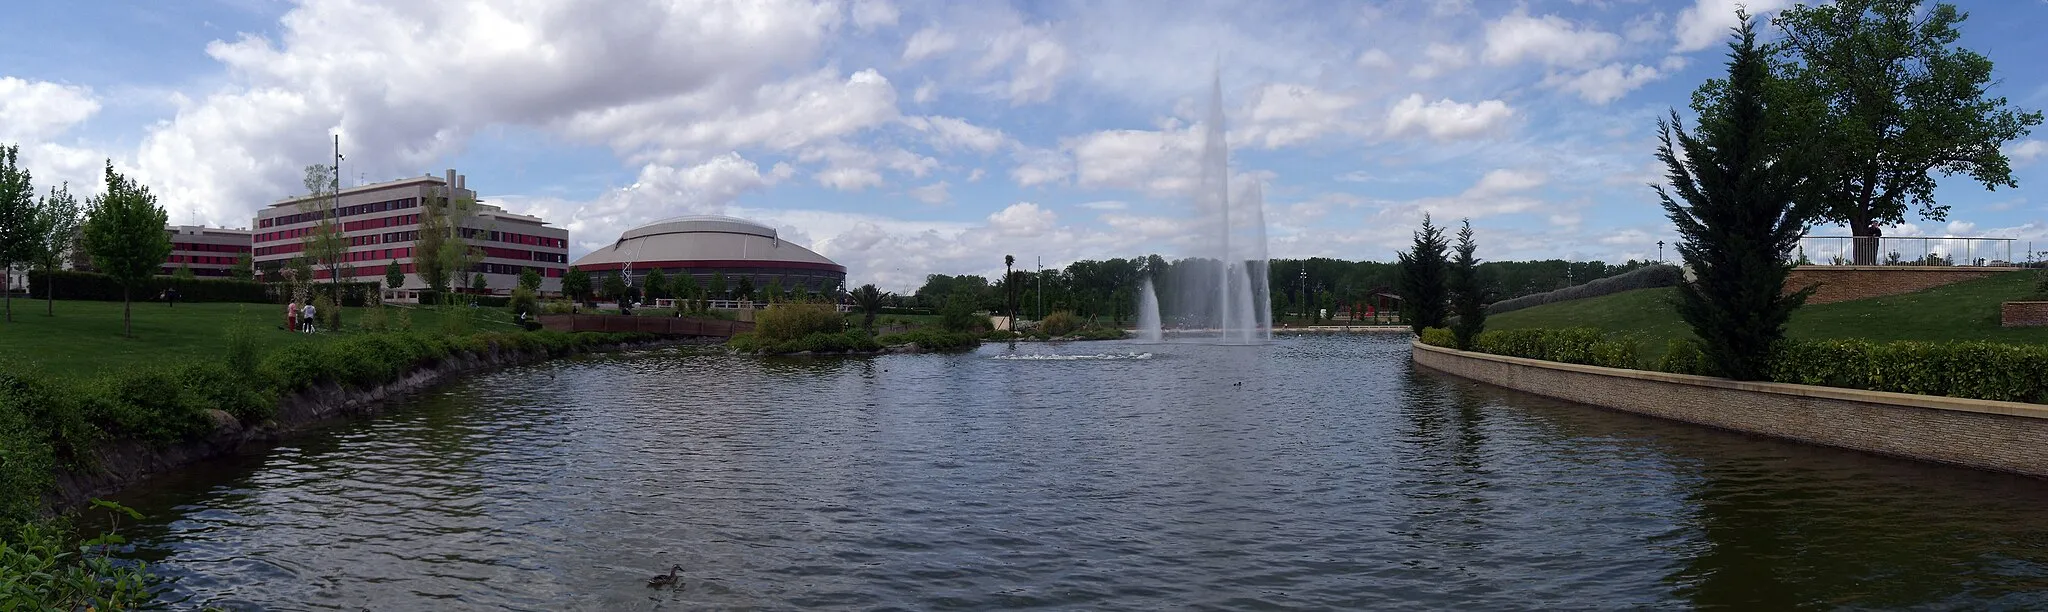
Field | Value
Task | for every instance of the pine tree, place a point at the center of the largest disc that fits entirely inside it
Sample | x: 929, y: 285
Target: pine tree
x: 1468, y: 293
x: 1423, y: 297
x: 1732, y: 198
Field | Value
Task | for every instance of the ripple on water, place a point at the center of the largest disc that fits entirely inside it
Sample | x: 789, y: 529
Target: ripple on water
x: 1314, y: 472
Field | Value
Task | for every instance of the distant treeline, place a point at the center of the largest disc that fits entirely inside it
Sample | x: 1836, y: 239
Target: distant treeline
x: 1109, y: 288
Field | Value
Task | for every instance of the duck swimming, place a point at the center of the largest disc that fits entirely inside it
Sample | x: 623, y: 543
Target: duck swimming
x: 668, y: 579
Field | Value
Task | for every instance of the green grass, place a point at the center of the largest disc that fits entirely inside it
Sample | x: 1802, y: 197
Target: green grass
x: 1963, y: 311
x: 84, y: 338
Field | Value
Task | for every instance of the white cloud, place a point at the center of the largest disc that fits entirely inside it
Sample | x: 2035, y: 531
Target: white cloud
x: 1283, y: 114
x: 1505, y: 181
x: 1105, y: 205
x: 659, y: 192
x: 1375, y: 58
x: 1606, y: 83
x: 933, y: 194
x: 926, y: 92
x: 2026, y: 151
x: 871, y: 14
x: 1156, y: 162
x: 1548, y: 39
x: 1038, y: 167
x: 928, y: 42
x: 1446, y: 119
x: 976, y: 175
x: 1022, y: 219
x: 785, y: 115
x: 1438, y: 59
x: 34, y: 111
x: 953, y: 133
x: 1707, y: 22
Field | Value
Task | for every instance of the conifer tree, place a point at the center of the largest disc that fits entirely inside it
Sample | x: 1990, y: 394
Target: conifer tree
x: 1732, y: 197
x: 1423, y: 300
x: 1468, y: 294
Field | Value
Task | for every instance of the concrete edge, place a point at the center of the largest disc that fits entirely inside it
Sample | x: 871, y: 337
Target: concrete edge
x: 1907, y: 400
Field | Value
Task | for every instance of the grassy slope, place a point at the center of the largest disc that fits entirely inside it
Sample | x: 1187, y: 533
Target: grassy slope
x: 1963, y: 311
x: 84, y: 338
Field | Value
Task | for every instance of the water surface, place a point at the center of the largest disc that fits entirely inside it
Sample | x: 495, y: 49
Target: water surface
x: 1318, y: 472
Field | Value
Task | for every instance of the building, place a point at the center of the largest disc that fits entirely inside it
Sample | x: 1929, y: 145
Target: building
x: 207, y: 251
x: 381, y: 224
x: 707, y: 246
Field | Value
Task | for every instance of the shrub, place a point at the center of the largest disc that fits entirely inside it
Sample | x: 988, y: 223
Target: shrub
x: 1099, y: 333
x: 557, y: 307
x: 932, y: 340
x: 1437, y: 336
x: 1060, y: 323
x: 1647, y: 277
x: 326, y: 313
x: 1584, y: 346
x: 1684, y: 356
x: 789, y: 322
x: 958, y: 316
x: 40, y: 569
x: 214, y: 385
x: 145, y: 403
x: 852, y: 340
x: 523, y: 301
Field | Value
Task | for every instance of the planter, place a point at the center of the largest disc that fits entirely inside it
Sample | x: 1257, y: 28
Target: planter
x: 2023, y: 314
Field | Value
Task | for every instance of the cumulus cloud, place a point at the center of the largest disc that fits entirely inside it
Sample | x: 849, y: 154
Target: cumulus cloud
x: 1548, y: 39
x: 928, y: 42
x: 1707, y: 22
x: 1606, y: 83
x: 1023, y: 219
x: 1438, y: 59
x: 955, y: 134
x: 1446, y: 119
x: 2026, y: 151
x: 658, y: 192
x: 933, y: 194
x: 1282, y: 114
x: 33, y: 111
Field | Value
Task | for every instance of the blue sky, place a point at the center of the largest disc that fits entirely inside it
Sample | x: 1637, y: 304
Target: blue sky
x: 905, y: 138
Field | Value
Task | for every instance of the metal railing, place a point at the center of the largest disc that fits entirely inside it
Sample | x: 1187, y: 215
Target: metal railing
x: 1906, y: 251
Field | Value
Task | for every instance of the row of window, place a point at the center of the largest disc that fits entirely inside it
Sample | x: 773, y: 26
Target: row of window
x: 204, y: 259
x: 345, y: 211
x: 208, y: 248
x: 378, y: 271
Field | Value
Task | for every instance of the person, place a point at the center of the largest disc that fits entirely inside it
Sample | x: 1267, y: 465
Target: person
x: 171, y: 297
x: 291, y: 316
x: 306, y: 315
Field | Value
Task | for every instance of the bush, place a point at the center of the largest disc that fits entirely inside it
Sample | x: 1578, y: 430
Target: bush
x: 147, y: 404
x: 958, y: 316
x: 1060, y: 323
x: 1684, y: 356
x: 325, y: 312
x: 523, y: 301
x: 1438, y: 336
x: 932, y: 340
x: 557, y: 307
x: 789, y: 322
x: 1977, y: 370
x: 1647, y: 277
x: 40, y: 569
x: 1098, y: 333
x: 215, y: 385
x: 852, y: 340
x: 1584, y: 346
x: 73, y: 285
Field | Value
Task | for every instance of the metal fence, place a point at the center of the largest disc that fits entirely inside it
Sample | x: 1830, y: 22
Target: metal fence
x: 1907, y: 251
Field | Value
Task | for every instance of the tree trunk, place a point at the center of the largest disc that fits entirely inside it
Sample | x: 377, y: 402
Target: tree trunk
x: 127, y: 325
x: 1866, y: 242
x: 50, y: 295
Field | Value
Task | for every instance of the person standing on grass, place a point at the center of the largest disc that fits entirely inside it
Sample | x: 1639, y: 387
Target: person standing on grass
x: 306, y: 317
x: 291, y: 316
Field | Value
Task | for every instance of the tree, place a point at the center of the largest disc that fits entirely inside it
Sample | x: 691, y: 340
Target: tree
x: 323, y: 242
x: 744, y: 288
x: 576, y: 285
x: 58, y: 218
x: 1733, y: 198
x: 869, y: 300
x: 184, y: 274
x: 394, y: 275
x: 684, y: 287
x: 530, y: 279
x: 441, y: 256
x: 655, y: 285
x: 19, y: 222
x: 477, y: 283
x: 1468, y: 293
x: 1883, y: 88
x: 718, y: 286
x: 615, y: 287
x: 124, y: 231
x: 245, y: 267
x: 1423, y: 299
x: 301, y: 277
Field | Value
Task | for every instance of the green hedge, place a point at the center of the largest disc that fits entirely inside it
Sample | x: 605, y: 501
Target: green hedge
x: 1585, y: 346
x: 73, y: 285
x: 852, y: 340
x: 935, y: 340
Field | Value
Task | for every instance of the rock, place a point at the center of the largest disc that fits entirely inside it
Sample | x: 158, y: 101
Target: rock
x: 223, y: 423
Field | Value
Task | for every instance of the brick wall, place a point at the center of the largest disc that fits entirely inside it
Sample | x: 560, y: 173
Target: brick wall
x: 1844, y: 283
x: 2023, y: 314
x: 2002, y: 436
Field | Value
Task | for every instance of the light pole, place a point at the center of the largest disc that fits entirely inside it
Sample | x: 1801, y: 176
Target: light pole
x: 1303, y: 292
x: 1660, y: 251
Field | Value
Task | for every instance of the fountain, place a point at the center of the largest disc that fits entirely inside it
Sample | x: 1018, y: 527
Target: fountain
x: 1223, y: 289
x: 1148, y: 313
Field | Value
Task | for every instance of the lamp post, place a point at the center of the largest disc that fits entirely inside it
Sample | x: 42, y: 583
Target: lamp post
x: 1660, y: 251
x: 1303, y: 293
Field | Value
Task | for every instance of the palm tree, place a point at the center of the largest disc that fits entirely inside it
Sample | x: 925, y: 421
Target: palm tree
x: 1010, y: 288
x: 869, y: 300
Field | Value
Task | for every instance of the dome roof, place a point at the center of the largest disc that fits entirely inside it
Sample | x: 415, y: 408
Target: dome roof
x: 704, y: 241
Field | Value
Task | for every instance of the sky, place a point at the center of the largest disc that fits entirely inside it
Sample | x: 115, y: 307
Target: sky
x: 907, y: 138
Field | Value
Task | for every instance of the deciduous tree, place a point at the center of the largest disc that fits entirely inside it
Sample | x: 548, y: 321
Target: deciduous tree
x: 57, y: 218
x: 19, y: 222
x: 124, y: 231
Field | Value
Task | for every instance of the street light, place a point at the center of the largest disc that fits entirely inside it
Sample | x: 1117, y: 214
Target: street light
x: 1660, y: 251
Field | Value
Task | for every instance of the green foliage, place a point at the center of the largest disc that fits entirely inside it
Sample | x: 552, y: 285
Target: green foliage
x: 149, y: 403
x: 614, y: 286
x: 958, y: 314
x: 1684, y: 356
x: 851, y: 340
x: 530, y: 279
x: 576, y: 285
x: 523, y: 301
x: 1468, y: 294
x: 20, y: 220
x: 478, y: 284
x: 792, y: 321
x: 1733, y: 200
x: 58, y: 218
x: 1437, y: 336
x: 934, y: 340
x: 1584, y: 346
x: 183, y: 275
x: 1978, y: 370
x: 71, y: 285
x: 40, y: 569
x: 124, y: 232
x: 1424, y: 297
x: 869, y: 300
x: 718, y: 286
x: 328, y: 315
x: 743, y: 289
x: 1060, y: 323
x: 394, y: 275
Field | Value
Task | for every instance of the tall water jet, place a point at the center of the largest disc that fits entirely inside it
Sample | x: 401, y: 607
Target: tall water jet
x: 1233, y: 299
x: 1148, y: 313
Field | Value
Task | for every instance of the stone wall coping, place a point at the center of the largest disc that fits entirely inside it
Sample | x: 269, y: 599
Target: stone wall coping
x: 1819, y: 267
x: 1909, y: 400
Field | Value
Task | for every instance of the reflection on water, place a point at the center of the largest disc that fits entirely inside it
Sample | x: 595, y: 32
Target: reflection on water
x: 1317, y: 472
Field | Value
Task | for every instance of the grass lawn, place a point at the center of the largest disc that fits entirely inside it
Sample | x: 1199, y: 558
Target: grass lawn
x: 84, y: 338
x: 1963, y: 311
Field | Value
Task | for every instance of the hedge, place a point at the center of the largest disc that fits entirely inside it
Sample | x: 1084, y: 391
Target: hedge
x: 74, y: 285
x: 1586, y: 346
x: 1649, y: 277
x: 934, y: 340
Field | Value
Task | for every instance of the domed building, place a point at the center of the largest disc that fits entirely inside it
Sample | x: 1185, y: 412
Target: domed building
x: 707, y: 246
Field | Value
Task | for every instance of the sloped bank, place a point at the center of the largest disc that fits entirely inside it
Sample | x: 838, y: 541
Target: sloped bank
x: 1984, y: 434
x: 118, y: 464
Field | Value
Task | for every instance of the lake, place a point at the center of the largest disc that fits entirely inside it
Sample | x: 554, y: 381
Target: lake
x: 1317, y: 472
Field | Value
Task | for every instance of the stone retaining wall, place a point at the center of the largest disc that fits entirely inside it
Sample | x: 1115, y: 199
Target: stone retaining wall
x: 2002, y: 436
x: 1844, y: 283
x: 2023, y: 314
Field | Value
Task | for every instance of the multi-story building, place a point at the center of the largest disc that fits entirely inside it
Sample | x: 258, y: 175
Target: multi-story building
x: 208, y: 251
x: 381, y: 224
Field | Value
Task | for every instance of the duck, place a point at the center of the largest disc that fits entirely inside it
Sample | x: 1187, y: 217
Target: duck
x: 668, y: 579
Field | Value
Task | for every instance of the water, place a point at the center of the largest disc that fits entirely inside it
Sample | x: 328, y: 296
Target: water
x: 1314, y: 473
x: 1227, y: 291
x: 1148, y: 313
